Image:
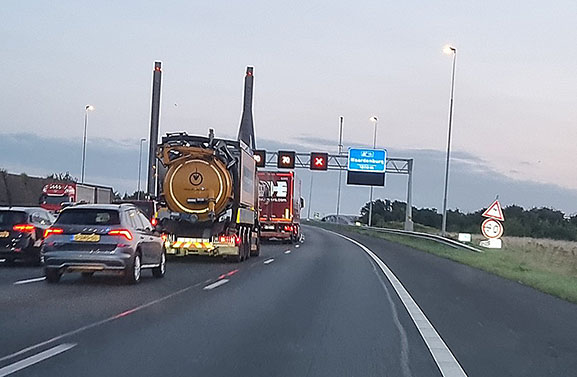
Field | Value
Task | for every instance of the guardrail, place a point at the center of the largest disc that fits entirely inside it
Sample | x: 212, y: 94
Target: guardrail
x: 433, y: 237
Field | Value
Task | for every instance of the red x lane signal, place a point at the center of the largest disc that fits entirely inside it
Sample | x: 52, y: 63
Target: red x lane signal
x: 319, y: 161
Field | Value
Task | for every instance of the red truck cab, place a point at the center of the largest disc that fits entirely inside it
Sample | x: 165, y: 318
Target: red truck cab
x: 280, y: 205
x: 55, y: 194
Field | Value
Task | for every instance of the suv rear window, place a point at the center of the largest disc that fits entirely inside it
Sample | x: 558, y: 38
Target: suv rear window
x: 12, y: 217
x: 89, y: 217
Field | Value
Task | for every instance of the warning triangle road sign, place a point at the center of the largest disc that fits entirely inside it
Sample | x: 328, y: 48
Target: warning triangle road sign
x: 494, y: 211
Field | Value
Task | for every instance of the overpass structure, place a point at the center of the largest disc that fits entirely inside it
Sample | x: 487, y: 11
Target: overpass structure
x: 339, y: 162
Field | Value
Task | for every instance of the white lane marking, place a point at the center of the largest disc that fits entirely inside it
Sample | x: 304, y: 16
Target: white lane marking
x: 215, y: 284
x: 444, y: 358
x: 34, y: 359
x: 99, y: 323
x: 297, y: 246
x: 34, y: 280
x: 287, y: 252
x: 268, y: 261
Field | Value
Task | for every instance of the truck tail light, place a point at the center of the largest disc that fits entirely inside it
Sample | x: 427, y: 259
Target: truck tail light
x: 23, y: 228
x: 288, y: 228
x: 51, y: 231
x: 231, y: 239
x: 154, y: 221
x: 121, y: 232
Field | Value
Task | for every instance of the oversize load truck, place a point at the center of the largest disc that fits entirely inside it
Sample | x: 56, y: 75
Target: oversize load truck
x: 210, y: 193
x: 280, y: 205
x: 54, y: 195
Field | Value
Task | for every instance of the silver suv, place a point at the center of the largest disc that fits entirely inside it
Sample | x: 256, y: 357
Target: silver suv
x: 103, y: 237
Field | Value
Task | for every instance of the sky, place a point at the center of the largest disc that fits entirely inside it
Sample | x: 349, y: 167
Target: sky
x: 515, y: 118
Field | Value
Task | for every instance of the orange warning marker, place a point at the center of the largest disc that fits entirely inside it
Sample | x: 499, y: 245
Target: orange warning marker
x: 494, y: 211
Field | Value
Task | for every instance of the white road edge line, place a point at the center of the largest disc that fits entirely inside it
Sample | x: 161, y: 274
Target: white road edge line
x: 268, y: 261
x: 287, y: 252
x: 34, y: 280
x: 34, y: 359
x: 215, y: 284
x: 444, y: 358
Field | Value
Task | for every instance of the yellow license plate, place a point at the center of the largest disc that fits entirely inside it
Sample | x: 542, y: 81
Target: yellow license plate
x: 4, y: 234
x: 86, y: 237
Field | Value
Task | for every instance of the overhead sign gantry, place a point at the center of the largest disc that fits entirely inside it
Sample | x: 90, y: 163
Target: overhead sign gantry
x: 370, y: 172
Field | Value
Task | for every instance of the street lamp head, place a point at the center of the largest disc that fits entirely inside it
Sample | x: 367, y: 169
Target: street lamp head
x: 373, y: 119
x: 448, y: 49
x: 89, y: 108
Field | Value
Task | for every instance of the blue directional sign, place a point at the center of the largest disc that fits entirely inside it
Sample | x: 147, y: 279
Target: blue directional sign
x: 367, y: 160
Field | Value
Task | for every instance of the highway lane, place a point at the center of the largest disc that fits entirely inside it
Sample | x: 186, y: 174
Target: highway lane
x: 323, y: 309
x: 494, y: 326
x: 320, y: 309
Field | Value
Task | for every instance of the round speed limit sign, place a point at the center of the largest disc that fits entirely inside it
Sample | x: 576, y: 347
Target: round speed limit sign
x: 491, y: 228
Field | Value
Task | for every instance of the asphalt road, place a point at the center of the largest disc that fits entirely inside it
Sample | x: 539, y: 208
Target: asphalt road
x: 324, y: 308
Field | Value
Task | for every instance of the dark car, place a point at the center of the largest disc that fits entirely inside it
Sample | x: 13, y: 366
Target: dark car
x: 88, y: 238
x: 21, y: 233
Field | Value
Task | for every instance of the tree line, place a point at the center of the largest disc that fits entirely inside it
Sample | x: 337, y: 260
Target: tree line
x: 535, y: 222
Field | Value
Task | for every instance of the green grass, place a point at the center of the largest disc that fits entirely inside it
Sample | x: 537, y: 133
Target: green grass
x: 547, y: 265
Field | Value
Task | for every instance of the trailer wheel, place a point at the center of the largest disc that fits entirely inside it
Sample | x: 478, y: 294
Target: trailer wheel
x: 238, y: 258
x: 256, y: 253
x: 248, y: 243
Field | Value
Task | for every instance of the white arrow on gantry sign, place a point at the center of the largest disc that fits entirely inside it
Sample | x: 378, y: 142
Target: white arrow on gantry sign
x: 494, y: 211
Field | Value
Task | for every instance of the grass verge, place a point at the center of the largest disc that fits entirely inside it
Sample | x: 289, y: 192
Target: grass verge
x: 542, y: 264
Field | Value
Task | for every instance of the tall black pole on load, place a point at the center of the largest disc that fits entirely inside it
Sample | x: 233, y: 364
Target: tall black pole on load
x: 246, y: 129
x: 153, y: 139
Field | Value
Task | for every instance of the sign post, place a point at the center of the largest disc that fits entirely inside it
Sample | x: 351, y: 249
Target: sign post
x: 491, y: 227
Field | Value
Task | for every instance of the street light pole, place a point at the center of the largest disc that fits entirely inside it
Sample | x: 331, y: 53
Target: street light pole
x: 139, y: 168
x: 448, y: 50
x: 310, y: 196
x: 375, y: 121
x: 340, y: 170
x: 86, y: 110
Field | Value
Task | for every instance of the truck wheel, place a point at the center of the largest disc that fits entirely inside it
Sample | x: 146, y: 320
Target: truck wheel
x: 52, y: 275
x: 248, y: 244
x: 256, y: 252
x: 133, y: 271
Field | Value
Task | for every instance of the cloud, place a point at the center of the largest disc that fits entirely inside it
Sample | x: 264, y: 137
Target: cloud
x: 472, y: 184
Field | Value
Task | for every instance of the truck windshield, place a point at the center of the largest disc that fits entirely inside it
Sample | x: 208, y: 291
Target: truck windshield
x: 55, y: 199
x: 12, y: 217
x: 89, y: 217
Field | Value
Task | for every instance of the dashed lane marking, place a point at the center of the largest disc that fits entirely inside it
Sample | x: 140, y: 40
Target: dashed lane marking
x: 287, y: 252
x: 34, y: 280
x: 269, y: 261
x: 34, y: 359
x: 216, y: 284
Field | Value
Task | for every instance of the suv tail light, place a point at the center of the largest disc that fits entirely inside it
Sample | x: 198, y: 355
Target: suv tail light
x: 51, y: 231
x: 154, y: 221
x: 23, y: 228
x: 121, y: 232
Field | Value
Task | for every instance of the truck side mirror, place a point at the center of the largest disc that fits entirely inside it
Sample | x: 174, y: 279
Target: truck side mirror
x: 302, y: 202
